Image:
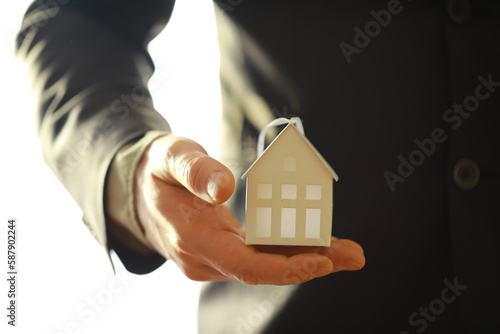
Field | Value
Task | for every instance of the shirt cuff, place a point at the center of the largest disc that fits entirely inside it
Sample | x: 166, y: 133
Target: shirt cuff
x: 121, y: 218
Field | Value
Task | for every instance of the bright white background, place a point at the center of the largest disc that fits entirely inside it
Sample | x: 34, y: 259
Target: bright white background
x: 62, y: 269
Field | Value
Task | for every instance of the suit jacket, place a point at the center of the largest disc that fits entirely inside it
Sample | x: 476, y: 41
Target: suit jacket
x: 400, y: 97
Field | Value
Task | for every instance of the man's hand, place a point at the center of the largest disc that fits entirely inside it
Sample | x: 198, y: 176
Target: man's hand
x: 178, y: 193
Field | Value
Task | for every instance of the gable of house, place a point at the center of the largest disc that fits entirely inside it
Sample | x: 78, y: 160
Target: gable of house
x: 290, y: 143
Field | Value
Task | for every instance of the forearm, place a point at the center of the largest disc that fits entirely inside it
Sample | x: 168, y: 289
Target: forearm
x: 89, y: 68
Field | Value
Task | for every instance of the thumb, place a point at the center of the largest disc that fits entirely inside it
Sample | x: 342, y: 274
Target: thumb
x: 183, y: 162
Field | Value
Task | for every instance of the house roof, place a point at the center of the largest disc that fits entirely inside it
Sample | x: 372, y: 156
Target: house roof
x: 291, y: 127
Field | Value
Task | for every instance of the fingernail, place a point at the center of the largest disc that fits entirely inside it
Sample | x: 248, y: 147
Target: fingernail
x: 215, y: 181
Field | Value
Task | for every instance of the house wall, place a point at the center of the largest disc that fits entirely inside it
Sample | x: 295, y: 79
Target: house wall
x: 269, y: 171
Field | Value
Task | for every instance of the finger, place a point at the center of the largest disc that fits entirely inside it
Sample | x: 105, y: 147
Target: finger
x: 200, y: 273
x: 244, y: 263
x: 345, y: 254
x: 184, y: 162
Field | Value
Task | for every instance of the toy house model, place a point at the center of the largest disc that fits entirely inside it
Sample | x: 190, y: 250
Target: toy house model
x: 289, y: 199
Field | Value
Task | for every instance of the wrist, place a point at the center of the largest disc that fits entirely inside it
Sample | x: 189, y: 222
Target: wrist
x: 121, y: 215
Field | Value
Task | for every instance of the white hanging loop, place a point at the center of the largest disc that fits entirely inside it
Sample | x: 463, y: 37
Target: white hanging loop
x: 278, y: 121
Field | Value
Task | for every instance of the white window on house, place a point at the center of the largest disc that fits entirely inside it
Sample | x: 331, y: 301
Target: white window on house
x: 263, y: 226
x: 313, y: 223
x: 264, y: 191
x: 289, y: 191
x: 288, y: 219
x: 289, y: 164
x: 313, y: 192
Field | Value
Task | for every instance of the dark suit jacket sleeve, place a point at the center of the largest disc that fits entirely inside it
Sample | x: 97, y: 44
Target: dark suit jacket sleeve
x: 89, y: 68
